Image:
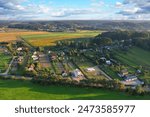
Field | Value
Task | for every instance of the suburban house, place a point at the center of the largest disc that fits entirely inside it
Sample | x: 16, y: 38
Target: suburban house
x: 76, y: 73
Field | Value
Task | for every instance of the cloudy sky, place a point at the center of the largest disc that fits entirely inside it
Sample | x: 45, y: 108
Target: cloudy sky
x: 74, y: 9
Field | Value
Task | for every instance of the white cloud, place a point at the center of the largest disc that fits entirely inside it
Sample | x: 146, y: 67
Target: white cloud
x: 119, y: 5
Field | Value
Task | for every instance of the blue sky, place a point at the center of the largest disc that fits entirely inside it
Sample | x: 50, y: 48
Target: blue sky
x: 74, y: 9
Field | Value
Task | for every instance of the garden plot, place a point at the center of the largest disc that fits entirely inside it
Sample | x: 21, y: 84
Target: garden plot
x: 44, y: 60
x: 84, y: 64
x: 5, y: 59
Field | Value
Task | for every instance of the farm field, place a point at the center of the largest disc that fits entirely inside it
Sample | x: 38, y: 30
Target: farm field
x: 25, y: 90
x: 12, y: 36
x: 51, y: 38
x: 4, y: 61
x: 135, y: 57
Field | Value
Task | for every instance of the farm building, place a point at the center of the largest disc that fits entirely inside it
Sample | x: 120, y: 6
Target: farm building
x: 76, y: 73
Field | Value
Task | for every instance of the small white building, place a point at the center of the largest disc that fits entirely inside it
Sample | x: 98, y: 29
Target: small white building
x: 90, y: 69
x: 19, y: 49
x: 34, y: 57
x: 108, y: 62
x: 76, y: 73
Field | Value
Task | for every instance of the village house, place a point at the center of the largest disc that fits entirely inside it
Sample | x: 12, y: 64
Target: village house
x: 90, y: 69
x: 123, y: 73
x: 53, y: 56
x: 20, y: 58
x: 19, y: 49
x: 130, y: 77
x: 35, y: 56
x: 31, y: 68
x: 76, y: 73
x: 64, y: 74
x: 108, y: 62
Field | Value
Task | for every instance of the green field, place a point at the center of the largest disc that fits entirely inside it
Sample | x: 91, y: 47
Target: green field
x: 4, y: 61
x: 135, y: 57
x: 51, y: 38
x: 25, y: 90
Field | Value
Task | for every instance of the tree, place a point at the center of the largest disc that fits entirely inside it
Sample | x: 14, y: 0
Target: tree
x: 139, y: 90
x: 121, y: 87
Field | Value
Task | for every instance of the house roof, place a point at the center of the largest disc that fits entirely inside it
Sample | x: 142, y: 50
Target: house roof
x: 130, y: 77
x: 124, y: 71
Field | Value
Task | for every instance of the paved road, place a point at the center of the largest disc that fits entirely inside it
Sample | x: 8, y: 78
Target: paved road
x: 9, y: 66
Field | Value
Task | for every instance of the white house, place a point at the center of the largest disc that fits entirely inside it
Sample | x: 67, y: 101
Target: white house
x: 19, y: 49
x: 90, y: 69
x: 108, y: 62
x: 77, y: 73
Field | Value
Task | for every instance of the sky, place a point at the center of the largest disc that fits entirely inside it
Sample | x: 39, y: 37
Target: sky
x: 74, y: 9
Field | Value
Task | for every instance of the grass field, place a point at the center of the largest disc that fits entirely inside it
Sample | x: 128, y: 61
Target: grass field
x: 4, y: 61
x: 50, y: 39
x: 12, y: 36
x: 25, y: 90
x: 135, y: 57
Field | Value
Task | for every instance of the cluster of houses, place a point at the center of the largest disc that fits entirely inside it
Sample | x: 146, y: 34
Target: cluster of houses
x: 126, y: 76
x: 35, y: 56
x: 130, y: 79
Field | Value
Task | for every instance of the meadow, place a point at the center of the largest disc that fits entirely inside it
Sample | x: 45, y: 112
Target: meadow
x: 25, y: 90
x: 135, y: 57
x: 51, y: 38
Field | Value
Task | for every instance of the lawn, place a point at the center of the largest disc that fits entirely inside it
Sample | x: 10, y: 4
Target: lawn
x: 135, y: 57
x: 4, y: 61
x: 51, y: 38
x: 25, y: 90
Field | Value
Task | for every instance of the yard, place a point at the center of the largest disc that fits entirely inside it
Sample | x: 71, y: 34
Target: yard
x: 4, y: 61
x: 25, y: 90
x: 51, y: 38
x: 84, y: 63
